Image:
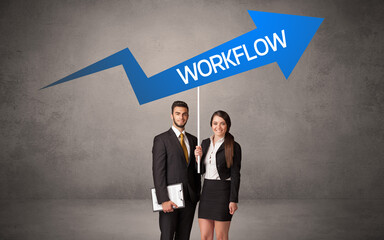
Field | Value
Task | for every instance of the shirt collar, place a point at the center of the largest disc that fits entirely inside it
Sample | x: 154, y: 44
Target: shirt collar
x: 218, y: 141
x: 177, y: 132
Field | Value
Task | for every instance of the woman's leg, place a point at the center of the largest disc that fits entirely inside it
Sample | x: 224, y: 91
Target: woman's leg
x: 206, y: 229
x: 222, y: 229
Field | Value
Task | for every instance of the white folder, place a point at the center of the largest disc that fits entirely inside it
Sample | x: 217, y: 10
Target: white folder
x: 175, y: 194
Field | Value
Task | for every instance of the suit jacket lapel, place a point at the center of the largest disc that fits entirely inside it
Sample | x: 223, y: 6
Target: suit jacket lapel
x: 206, y: 147
x: 221, y: 147
x: 220, y: 161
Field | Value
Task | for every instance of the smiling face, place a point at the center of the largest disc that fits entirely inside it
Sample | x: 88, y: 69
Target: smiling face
x: 219, y: 126
x: 179, y: 117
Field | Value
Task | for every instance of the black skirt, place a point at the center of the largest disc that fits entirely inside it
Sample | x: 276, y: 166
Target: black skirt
x: 214, y: 200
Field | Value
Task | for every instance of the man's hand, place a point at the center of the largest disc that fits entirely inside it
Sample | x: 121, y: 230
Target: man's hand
x: 168, y: 206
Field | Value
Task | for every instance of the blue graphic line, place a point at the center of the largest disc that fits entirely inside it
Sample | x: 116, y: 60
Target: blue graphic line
x: 278, y: 38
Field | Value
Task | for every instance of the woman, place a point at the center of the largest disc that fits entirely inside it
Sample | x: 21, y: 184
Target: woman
x: 221, y: 162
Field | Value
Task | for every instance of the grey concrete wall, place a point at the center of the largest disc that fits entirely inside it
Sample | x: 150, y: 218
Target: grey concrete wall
x: 319, y: 134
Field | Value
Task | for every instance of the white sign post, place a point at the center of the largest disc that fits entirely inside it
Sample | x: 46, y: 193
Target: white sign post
x: 198, y: 126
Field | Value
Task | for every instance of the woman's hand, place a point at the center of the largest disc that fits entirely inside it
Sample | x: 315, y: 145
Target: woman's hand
x: 198, y: 152
x: 232, y: 207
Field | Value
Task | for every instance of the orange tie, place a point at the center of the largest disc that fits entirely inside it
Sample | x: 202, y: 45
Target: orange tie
x: 184, y: 147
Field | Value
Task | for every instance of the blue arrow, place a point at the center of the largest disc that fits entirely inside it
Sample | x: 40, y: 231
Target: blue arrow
x: 278, y: 38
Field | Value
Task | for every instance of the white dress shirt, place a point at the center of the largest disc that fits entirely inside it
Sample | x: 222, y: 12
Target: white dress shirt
x: 211, y: 172
x: 177, y: 132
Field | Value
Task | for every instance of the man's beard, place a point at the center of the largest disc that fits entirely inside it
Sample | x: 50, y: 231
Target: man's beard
x: 179, y: 126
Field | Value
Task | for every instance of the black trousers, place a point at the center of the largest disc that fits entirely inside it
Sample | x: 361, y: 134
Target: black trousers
x: 177, y: 225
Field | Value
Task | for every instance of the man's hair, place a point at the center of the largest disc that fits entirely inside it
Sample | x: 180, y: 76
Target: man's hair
x: 179, y: 104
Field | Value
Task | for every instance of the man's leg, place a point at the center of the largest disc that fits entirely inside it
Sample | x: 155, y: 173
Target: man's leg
x: 185, y: 221
x: 168, y: 224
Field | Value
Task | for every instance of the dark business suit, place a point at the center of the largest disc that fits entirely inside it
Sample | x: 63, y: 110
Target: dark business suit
x: 221, y: 165
x: 169, y: 167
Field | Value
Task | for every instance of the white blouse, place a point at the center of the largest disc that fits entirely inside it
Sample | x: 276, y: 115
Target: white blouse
x: 211, y: 172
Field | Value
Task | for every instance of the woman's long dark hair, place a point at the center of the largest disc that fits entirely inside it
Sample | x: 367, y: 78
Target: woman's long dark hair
x: 228, y: 139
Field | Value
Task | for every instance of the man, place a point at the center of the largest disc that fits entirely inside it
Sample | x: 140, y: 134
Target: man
x: 174, y: 162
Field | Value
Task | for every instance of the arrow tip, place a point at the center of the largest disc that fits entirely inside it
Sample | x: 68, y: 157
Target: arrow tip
x: 299, y: 31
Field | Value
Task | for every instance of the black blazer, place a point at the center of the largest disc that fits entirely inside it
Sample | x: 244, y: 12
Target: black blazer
x: 169, y: 166
x: 221, y: 164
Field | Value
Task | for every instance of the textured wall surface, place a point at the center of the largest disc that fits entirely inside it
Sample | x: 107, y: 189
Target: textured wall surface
x: 319, y: 134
